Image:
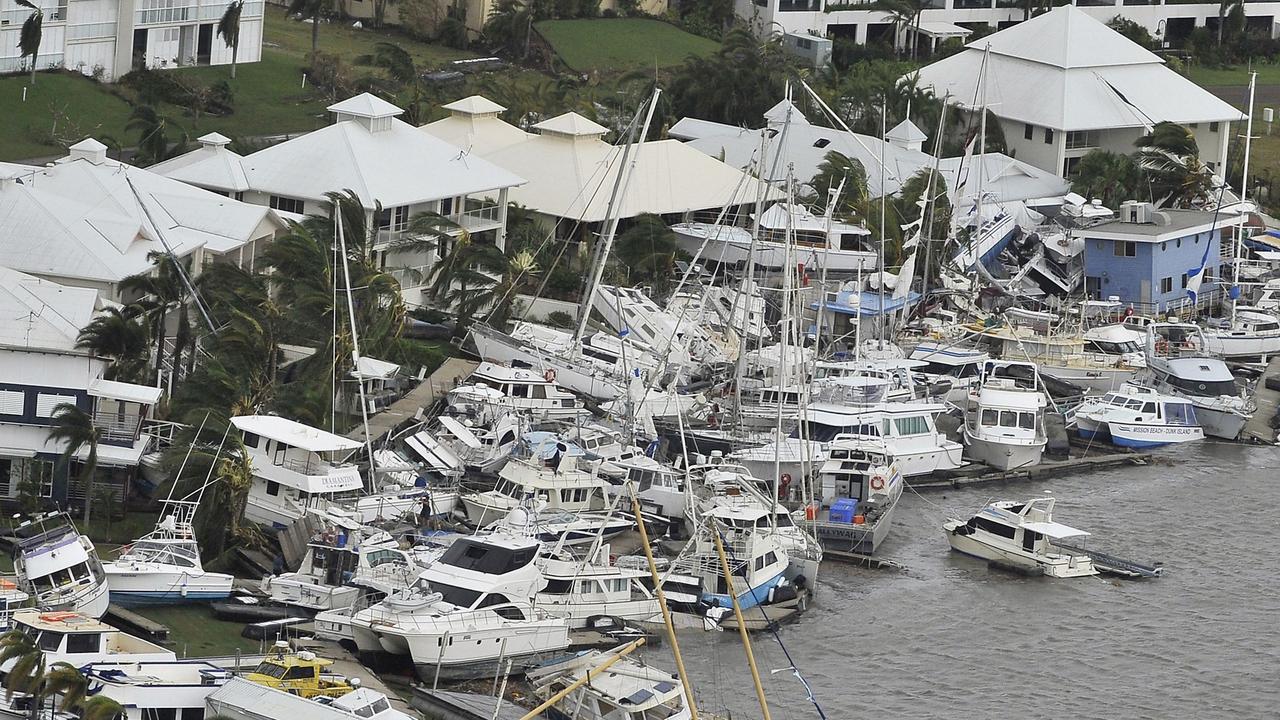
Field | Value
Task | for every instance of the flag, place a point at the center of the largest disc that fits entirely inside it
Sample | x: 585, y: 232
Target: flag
x: 1195, y: 276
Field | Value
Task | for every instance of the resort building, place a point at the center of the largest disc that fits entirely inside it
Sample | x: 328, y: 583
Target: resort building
x: 90, y: 221
x: 108, y: 38
x: 572, y: 170
x: 396, y: 172
x: 1147, y: 258
x: 864, y: 21
x: 1063, y: 84
x: 473, y: 13
x: 40, y: 369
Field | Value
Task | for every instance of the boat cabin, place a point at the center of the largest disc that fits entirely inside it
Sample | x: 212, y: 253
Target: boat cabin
x: 295, y: 466
x: 521, y: 388
x: 851, y: 464
x: 165, y: 690
x: 54, y: 561
x: 302, y: 674
x: 1026, y: 526
x: 78, y: 639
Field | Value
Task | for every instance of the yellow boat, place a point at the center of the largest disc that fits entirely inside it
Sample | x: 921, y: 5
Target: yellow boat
x: 300, y: 673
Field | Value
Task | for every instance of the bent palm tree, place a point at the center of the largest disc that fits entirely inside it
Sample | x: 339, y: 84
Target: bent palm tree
x: 66, y: 680
x: 117, y: 335
x: 100, y: 707
x: 163, y: 291
x: 27, y: 673
x: 229, y: 31
x: 78, y: 430
x: 32, y: 33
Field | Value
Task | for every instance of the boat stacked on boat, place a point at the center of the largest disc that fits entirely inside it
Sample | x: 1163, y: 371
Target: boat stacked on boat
x: 58, y: 568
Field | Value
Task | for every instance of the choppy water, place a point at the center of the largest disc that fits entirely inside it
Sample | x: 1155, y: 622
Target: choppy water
x: 951, y: 638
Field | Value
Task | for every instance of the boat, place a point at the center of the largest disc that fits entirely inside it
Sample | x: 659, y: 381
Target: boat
x: 815, y: 241
x: 860, y: 484
x: 469, y: 614
x: 480, y: 444
x: 957, y: 364
x: 757, y: 562
x: 78, y: 640
x: 302, y: 674
x: 156, y: 688
x: 164, y: 567
x: 520, y: 389
x: 1178, y: 364
x: 1022, y: 536
x: 599, y: 366
x: 1251, y: 333
x: 341, y: 562
x: 1138, y: 417
x: 626, y: 690
x: 241, y: 699
x: 631, y: 312
x: 11, y: 600
x: 1099, y: 359
x: 590, y: 585
x: 59, y: 567
x: 532, y: 518
x: 1004, y: 417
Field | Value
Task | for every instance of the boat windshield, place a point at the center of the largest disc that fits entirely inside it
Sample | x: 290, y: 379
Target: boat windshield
x: 1108, y: 347
x: 457, y: 596
x: 1204, y: 388
x: 1180, y: 414
x: 821, y: 432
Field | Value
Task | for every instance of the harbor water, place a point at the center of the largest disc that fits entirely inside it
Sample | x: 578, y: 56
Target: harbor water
x: 949, y: 637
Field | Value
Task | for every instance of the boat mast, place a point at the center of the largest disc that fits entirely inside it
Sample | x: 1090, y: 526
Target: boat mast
x: 612, y: 213
x: 355, y: 344
x: 785, y: 327
x: 742, y: 625
x: 884, y: 202
x: 744, y: 295
x: 975, y: 242
x: 926, y: 231
x: 1244, y: 190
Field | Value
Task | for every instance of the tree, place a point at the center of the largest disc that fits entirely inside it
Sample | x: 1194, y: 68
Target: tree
x: 310, y: 9
x: 836, y: 168
x: 154, y: 144
x: 1107, y: 176
x: 31, y: 35
x: 905, y: 13
x: 229, y: 30
x: 1170, y: 159
x: 208, y: 447
x: 78, y: 430
x: 646, y: 251
x: 1226, y: 7
x: 737, y: 84
x: 402, y: 74
x: 163, y: 290
x: 118, y: 336
x: 66, y: 680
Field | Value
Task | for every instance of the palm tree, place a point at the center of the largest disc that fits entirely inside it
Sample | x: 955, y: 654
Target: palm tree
x: 522, y: 268
x: 1170, y: 158
x: 904, y: 13
x: 101, y: 707
x: 28, y: 662
x: 78, y: 430
x: 736, y: 85
x: 153, y: 140
x: 310, y: 9
x: 229, y: 31
x: 837, y: 168
x: 219, y: 453
x: 402, y: 74
x: 66, y: 680
x: 466, y: 275
x: 1107, y: 176
x: 31, y: 35
x: 117, y: 335
x: 163, y: 290
x: 647, y: 251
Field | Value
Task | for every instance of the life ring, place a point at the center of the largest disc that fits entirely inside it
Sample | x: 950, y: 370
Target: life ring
x: 877, y: 482
x: 549, y: 375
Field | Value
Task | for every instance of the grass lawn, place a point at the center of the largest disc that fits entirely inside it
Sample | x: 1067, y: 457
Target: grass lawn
x: 61, y: 109
x: 293, y: 38
x: 1237, y: 75
x: 622, y: 43
x: 194, y: 632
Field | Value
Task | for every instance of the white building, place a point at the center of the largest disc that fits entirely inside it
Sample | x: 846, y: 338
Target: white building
x: 571, y: 170
x: 944, y: 19
x: 395, y: 170
x: 802, y: 147
x: 111, y: 37
x: 90, y: 221
x: 41, y: 368
x: 1063, y: 84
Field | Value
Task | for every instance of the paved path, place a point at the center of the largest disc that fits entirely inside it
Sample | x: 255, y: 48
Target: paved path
x: 445, y: 378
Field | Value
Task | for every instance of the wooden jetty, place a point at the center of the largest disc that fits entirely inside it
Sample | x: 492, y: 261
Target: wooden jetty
x: 447, y: 705
x: 977, y: 474
x: 1259, y: 429
x: 136, y: 624
x: 406, y: 409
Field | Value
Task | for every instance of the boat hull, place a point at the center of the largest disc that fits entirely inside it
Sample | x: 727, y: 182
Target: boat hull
x: 1062, y: 566
x: 731, y: 245
x: 1095, y: 380
x: 749, y: 598
x: 1138, y: 436
x: 1002, y: 456
x: 501, y: 348
x: 129, y: 588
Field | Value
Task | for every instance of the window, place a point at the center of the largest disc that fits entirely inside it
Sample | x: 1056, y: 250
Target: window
x: 273, y: 488
x: 1126, y: 248
x: 446, y: 207
x: 911, y: 425
x: 251, y: 439
x: 1078, y: 140
x: 12, y: 402
x: 1048, y: 136
x: 47, y: 403
x: 1166, y: 285
x: 83, y: 643
x: 192, y: 713
x: 300, y: 672
x: 1213, y: 127
x: 285, y: 204
x: 50, y: 641
x: 990, y: 418
x: 1028, y: 131
x: 1027, y: 421
x: 1184, y: 281
x: 994, y: 527
x: 396, y: 218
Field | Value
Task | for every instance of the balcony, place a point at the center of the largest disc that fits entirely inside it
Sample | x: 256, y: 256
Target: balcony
x: 480, y: 219
x: 118, y: 428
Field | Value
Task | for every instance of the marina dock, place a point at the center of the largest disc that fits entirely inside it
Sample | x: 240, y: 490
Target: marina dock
x: 976, y: 474
x: 432, y: 388
x: 1258, y: 428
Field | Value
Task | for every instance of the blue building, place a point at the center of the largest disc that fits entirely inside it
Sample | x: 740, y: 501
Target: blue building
x: 1148, y: 258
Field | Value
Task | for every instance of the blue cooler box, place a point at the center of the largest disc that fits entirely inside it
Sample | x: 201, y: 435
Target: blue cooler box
x: 843, y: 510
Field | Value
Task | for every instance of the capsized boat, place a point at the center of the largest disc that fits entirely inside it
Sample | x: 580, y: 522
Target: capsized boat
x: 241, y: 699
x: 1138, y: 417
x: 163, y: 567
x: 59, y: 567
x: 627, y: 690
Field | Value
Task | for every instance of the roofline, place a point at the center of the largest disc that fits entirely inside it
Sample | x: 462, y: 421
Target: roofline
x: 1225, y: 222
x: 960, y: 104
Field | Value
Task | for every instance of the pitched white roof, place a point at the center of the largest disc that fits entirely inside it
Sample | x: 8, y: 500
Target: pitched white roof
x: 571, y: 170
x: 475, y: 132
x: 396, y: 166
x: 96, y: 220
x: 1067, y: 71
x: 906, y: 131
x: 212, y: 165
x: 365, y: 105
x: 474, y: 105
x: 39, y: 314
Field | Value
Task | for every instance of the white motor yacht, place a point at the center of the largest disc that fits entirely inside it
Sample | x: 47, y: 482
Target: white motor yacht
x: 1251, y: 333
x: 59, y: 568
x: 860, y: 484
x: 1020, y: 535
x: 156, y: 688
x: 523, y: 390
x: 164, y: 567
x: 585, y: 586
x: 946, y: 360
x: 814, y: 240
x: 1004, y: 418
x: 469, y: 613
x: 1138, y: 417
x: 240, y: 699
x: 1178, y: 364
x: 628, y: 690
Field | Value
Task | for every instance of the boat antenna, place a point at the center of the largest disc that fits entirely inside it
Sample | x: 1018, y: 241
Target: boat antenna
x: 338, y: 222
x: 742, y: 625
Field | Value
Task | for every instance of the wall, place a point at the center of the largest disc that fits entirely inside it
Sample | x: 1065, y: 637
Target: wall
x: 1034, y: 151
x: 1123, y: 276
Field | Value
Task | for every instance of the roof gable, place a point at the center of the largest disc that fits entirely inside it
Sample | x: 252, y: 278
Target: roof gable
x: 1066, y: 37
